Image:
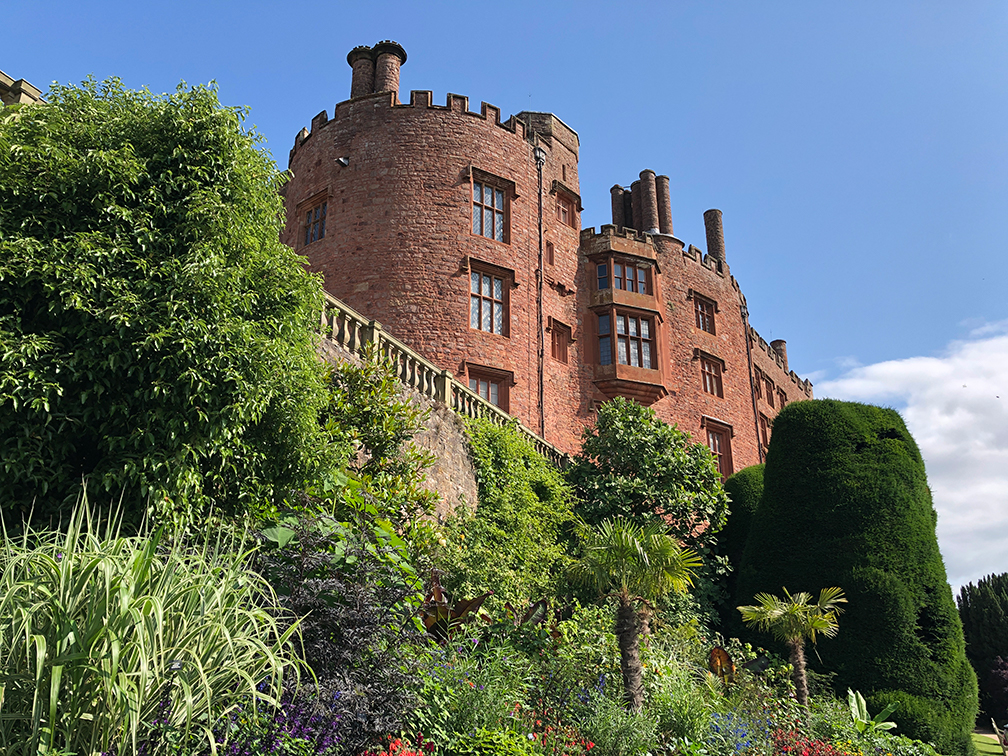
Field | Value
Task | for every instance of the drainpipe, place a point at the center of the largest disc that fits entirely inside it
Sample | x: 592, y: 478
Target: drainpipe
x: 540, y: 159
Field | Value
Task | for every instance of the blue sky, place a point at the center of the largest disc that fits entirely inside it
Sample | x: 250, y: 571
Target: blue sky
x: 858, y: 151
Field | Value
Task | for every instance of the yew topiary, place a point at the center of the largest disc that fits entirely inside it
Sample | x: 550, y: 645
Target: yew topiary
x: 846, y: 503
x: 744, y: 489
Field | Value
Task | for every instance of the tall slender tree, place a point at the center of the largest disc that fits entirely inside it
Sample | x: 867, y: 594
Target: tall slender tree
x: 792, y: 620
x: 635, y: 564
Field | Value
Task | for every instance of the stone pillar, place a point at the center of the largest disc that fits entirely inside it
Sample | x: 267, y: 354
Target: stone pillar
x: 362, y: 63
x: 635, y: 200
x: 618, y: 216
x: 715, y: 234
x: 649, y: 202
x: 389, y: 57
x: 664, y: 205
x: 780, y: 346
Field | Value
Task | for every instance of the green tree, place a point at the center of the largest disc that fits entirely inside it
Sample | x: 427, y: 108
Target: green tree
x: 792, y: 620
x: 634, y: 464
x: 156, y: 339
x: 846, y: 502
x: 983, y: 609
x: 371, y: 422
x: 635, y: 564
x: 515, y: 541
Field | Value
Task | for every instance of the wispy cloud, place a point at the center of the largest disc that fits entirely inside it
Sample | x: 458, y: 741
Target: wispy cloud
x: 956, y: 407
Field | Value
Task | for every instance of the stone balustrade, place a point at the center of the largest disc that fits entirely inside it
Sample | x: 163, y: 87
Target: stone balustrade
x: 352, y: 332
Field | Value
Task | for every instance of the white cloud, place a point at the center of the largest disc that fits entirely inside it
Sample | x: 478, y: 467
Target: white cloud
x: 956, y: 407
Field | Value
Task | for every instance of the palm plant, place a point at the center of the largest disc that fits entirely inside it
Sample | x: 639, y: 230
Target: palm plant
x: 792, y: 620
x: 107, y: 641
x: 635, y: 564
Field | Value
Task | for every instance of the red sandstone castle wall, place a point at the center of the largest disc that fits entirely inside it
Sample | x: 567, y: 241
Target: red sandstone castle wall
x: 399, y: 244
x: 399, y: 247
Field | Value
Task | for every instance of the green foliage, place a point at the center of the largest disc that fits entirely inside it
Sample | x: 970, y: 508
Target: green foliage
x: 795, y: 618
x: 156, y: 339
x: 859, y: 714
x: 634, y: 561
x: 514, y: 543
x: 90, y: 622
x: 846, y: 503
x: 744, y: 490
x: 616, y: 731
x: 983, y: 609
x: 370, y: 419
x: 634, y: 464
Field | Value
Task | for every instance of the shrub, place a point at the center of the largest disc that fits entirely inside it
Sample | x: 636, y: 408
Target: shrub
x: 90, y: 622
x: 351, y: 584
x: 744, y: 490
x: 983, y: 609
x: 156, y: 338
x: 846, y: 503
x: 514, y: 543
x: 616, y: 731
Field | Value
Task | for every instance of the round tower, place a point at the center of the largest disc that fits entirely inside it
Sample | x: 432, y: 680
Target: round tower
x: 424, y: 217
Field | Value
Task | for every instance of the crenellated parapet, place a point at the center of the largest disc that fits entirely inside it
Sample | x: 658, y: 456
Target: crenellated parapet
x: 777, y: 351
x: 420, y: 100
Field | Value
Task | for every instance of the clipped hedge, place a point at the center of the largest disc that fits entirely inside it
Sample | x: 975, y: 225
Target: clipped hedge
x: 846, y: 503
x: 744, y: 489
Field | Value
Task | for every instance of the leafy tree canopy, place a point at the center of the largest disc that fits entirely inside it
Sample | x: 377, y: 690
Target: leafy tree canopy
x: 155, y: 336
x: 634, y: 464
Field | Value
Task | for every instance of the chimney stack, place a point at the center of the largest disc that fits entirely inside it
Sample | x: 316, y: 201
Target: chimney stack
x: 649, y: 202
x: 664, y: 205
x: 635, y: 205
x: 780, y: 346
x: 388, y: 58
x: 618, y: 215
x: 715, y: 234
x: 362, y: 63
x: 376, y: 69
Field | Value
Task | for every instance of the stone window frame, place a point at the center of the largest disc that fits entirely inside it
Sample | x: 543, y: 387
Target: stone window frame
x: 612, y: 337
x: 567, y: 205
x: 493, y: 379
x: 314, y: 211
x: 769, y: 386
x: 478, y: 177
x: 550, y: 253
x: 494, y: 273
x: 781, y: 397
x: 704, y: 309
x: 561, y: 337
x: 712, y: 370
x: 718, y: 435
x: 621, y: 281
x: 764, y: 428
x: 758, y: 382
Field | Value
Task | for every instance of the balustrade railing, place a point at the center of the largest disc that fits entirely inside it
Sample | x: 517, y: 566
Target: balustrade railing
x: 352, y: 332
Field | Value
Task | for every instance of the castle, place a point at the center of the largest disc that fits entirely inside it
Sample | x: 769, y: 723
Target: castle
x: 461, y: 234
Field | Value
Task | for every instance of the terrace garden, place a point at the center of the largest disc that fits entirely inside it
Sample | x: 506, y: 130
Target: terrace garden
x: 213, y: 543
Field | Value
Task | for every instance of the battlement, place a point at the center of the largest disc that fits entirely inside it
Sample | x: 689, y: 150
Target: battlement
x: 779, y: 356
x: 420, y: 100
x: 588, y: 235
